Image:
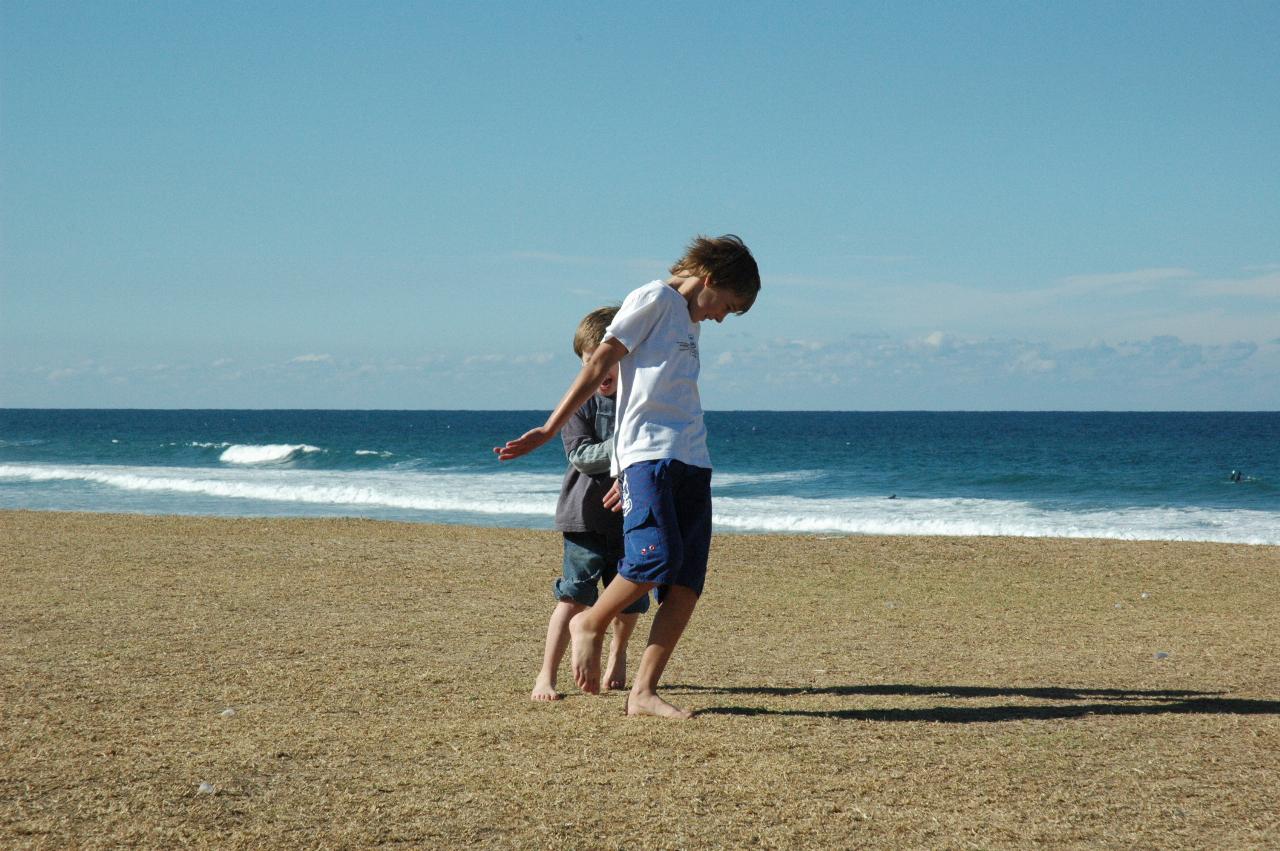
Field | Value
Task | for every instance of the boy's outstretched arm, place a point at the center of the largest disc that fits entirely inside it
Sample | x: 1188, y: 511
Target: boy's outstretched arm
x: 608, y: 353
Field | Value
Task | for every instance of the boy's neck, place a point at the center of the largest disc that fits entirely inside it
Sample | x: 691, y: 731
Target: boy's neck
x: 687, y: 285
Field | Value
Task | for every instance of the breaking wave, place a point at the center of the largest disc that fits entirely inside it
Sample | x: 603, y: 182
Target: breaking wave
x: 991, y: 517
x: 529, y: 498
x: 720, y: 479
x: 496, y: 494
x: 271, y: 453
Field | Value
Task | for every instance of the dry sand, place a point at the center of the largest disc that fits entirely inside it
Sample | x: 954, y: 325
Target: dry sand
x: 852, y: 692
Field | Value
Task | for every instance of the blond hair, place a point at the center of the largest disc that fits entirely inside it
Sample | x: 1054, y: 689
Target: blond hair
x: 591, y: 329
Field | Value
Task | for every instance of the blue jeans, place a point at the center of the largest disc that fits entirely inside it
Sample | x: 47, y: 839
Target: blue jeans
x: 591, y: 558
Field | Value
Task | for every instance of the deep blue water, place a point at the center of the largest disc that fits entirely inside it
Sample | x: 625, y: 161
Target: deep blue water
x: 1115, y: 475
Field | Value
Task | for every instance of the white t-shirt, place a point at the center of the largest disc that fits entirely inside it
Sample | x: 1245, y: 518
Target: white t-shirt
x: 659, y: 412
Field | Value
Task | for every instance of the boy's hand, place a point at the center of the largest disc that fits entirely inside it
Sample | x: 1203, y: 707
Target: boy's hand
x: 524, y: 444
x: 613, y: 499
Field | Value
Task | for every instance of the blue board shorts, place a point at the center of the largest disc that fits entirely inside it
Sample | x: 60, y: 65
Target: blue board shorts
x: 666, y: 524
x: 591, y: 559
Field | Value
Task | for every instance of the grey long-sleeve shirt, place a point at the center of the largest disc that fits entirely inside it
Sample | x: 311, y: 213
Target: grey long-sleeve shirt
x: 588, y: 443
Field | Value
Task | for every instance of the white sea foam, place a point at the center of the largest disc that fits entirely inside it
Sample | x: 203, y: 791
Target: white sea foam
x: 373, y: 452
x: 508, y: 494
x: 734, y: 479
x: 521, y: 498
x: 986, y: 517
x: 271, y: 453
x: 204, y: 445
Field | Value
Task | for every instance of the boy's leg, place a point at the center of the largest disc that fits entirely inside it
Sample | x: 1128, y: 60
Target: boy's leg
x: 668, y: 625
x: 587, y: 629
x: 615, y: 674
x: 586, y: 555
x: 679, y: 595
x: 544, y: 688
x: 653, y: 552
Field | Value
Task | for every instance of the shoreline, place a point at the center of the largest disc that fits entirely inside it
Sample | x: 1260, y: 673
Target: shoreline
x: 717, y: 532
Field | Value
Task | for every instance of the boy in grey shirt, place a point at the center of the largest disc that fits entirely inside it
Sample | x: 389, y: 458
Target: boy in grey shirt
x: 592, y: 533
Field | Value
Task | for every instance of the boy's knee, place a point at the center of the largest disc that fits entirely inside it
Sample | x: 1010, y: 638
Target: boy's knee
x: 681, y: 596
x: 576, y: 592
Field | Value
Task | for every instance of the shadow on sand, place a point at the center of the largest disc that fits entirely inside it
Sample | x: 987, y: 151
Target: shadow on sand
x: 1065, y: 703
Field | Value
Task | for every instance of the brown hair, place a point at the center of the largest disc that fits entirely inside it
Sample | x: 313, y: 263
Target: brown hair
x: 591, y: 329
x: 727, y: 261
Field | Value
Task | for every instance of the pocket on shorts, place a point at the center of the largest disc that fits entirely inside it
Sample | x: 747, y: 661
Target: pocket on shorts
x: 643, y: 543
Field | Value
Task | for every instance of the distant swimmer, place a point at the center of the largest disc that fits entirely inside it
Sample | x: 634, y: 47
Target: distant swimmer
x: 1236, y: 475
x: 893, y: 496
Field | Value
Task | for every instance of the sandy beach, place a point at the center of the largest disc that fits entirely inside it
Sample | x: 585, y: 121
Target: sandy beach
x: 349, y: 683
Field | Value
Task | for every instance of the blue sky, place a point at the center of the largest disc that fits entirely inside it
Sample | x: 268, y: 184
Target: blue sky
x: 954, y: 205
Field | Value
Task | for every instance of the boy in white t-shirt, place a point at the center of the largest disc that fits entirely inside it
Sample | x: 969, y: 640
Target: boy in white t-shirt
x: 660, y: 454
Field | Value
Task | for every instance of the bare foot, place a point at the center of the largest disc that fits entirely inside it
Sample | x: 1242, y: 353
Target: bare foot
x: 651, y: 704
x: 586, y: 648
x: 545, y: 691
x: 615, y: 674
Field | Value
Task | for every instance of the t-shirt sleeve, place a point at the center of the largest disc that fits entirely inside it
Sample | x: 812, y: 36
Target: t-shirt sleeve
x: 592, y: 458
x: 637, y: 317
x: 580, y: 429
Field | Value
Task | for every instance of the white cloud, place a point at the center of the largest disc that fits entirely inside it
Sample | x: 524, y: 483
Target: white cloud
x: 1136, y: 304
x: 803, y: 345
x: 517, y: 359
x: 938, y: 340
x: 947, y: 371
x: 312, y: 359
x: 1213, y: 324
x: 938, y: 368
x: 484, y: 359
x: 535, y: 358
x: 1262, y: 286
x: 1030, y: 361
x: 1142, y: 278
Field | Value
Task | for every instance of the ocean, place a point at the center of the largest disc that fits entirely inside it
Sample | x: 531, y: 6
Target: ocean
x: 1135, y: 476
